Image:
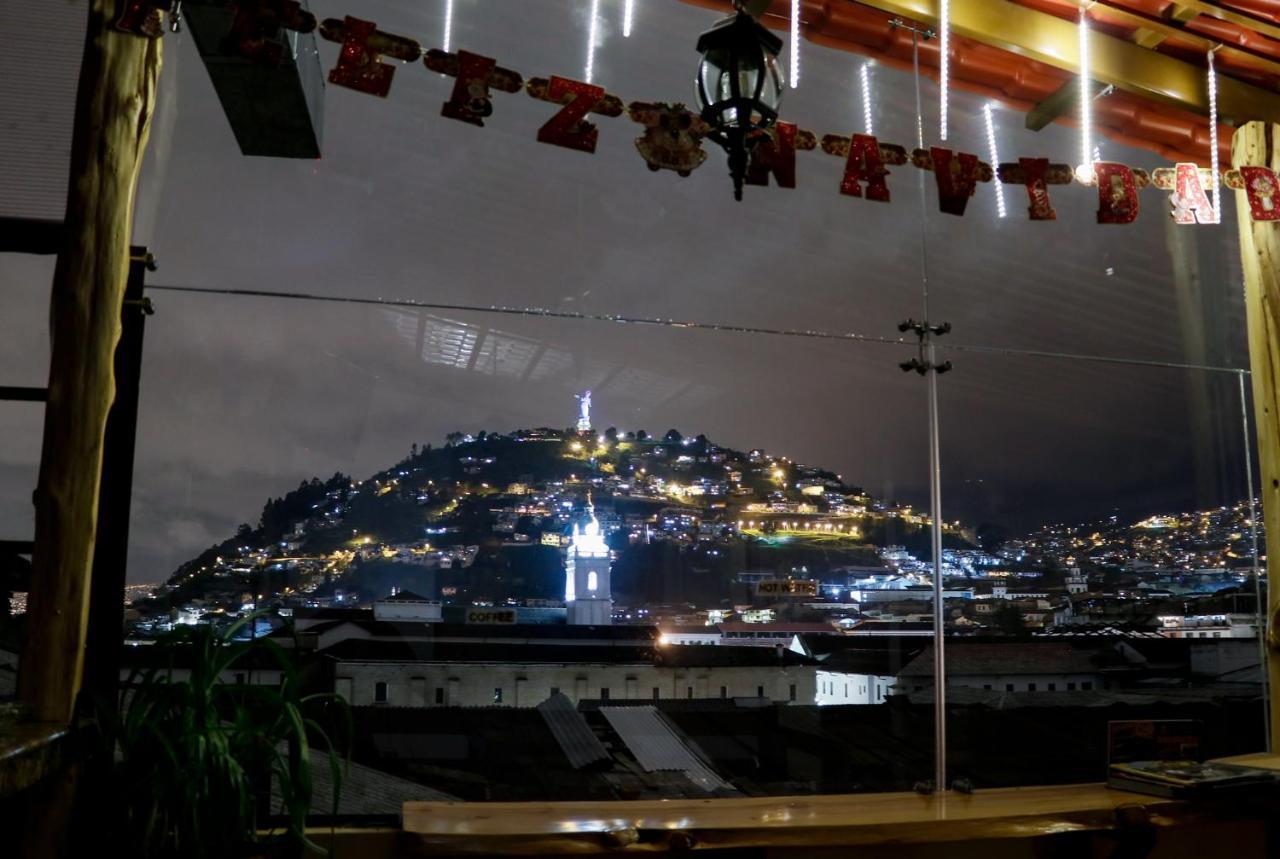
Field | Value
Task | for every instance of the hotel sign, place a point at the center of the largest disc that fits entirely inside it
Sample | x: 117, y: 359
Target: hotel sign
x: 787, y: 588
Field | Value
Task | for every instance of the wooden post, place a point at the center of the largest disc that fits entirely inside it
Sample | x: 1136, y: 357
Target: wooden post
x: 114, y: 103
x: 1255, y: 144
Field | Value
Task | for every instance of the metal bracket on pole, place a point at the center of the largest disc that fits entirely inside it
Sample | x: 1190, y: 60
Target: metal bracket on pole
x: 924, y: 332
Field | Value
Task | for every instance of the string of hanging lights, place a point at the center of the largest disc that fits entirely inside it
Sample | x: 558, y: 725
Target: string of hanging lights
x: 1084, y: 173
x: 795, y: 43
x: 944, y: 71
x: 1213, y: 135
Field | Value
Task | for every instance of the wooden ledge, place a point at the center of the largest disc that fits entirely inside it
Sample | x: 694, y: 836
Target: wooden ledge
x: 30, y: 752
x: 518, y: 828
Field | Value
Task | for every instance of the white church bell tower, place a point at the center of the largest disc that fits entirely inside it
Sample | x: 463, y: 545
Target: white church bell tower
x: 587, y: 597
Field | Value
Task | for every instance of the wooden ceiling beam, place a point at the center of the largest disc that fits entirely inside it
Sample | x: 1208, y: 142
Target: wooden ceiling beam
x: 1051, y: 40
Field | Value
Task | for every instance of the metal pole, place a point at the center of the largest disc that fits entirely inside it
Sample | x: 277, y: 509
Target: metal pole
x: 939, y: 615
x: 935, y: 463
x: 1261, y: 615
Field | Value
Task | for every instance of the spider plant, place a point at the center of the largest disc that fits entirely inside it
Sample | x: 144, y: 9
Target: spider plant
x: 195, y: 753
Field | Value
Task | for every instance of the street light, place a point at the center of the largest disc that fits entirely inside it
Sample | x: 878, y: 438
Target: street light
x: 739, y: 86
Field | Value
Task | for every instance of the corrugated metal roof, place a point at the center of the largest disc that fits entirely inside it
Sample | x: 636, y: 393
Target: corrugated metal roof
x: 578, y: 742
x: 657, y: 745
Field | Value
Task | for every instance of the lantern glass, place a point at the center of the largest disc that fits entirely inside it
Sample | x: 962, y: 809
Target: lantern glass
x: 739, y: 83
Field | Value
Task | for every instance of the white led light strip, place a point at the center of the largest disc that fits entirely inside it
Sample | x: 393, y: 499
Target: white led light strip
x: 795, y: 43
x: 1213, y: 138
x: 628, y: 10
x: 1085, y: 171
x: 944, y: 82
x: 448, y: 24
x: 864, y: 74
x: 995, y: 158
x: 591, y: 42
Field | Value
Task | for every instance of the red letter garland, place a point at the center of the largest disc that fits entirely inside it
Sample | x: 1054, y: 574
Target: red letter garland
x: 1117, y: 193
x: 1261, y: 188
x: 470, y: 99
x: 358, y: 67
x: 864, y: 165
x: 672, y: 138
x: 1190, y: 205
x: 957, y: 177
x: 774, y: 153
x: 1034, y: 170
x: 569, y: 128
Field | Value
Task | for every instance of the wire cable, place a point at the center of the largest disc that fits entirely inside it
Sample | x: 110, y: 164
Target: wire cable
x: 726, y: 327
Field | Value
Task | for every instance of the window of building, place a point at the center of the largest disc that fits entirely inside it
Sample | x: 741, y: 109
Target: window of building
x: 1031, y: 687
x: 791, y: 694
x: 497, y: 694
x: 604, y: 693
x: 380, y: 692
x: 759, y: 691
x: 1086, y: 685
x: 656, y: 693
x: 689, y: 692
x: 1071, y: 687
x: 1053, y: 687
x: 724, y: 691
x: 239, y: 679
x: 555, y: 690
x: 1008, y: 687
x: 439, y: 694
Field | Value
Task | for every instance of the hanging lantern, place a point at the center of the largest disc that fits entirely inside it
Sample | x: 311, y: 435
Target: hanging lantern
x: 739, y: 87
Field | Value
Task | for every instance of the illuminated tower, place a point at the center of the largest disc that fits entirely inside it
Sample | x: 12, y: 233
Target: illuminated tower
x: 587, y: 597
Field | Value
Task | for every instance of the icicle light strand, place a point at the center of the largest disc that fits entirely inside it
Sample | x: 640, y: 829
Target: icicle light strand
x: 795, y: 43
x: 590, y: 69
x: 448, y: 25
x: 1085, y: 171
x: 864, y: 74
x: 1213, y: 138
x: 628, y: 11
x: 944, y: 82
x: 995, y: 158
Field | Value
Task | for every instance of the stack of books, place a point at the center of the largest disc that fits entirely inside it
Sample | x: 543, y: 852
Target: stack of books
x: 1185, y: 779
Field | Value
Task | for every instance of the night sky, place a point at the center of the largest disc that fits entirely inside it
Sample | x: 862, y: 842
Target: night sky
x: 244, y: 397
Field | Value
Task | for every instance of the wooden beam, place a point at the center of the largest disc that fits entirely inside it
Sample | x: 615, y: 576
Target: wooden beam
x: 30, y: 236
x: 1051, y: 40
x: 1193, y: 8
x: 114, y: 102
x: 1065, y: 100
x: 10, y: 393
x: 1151, y: 33
x: 1258, y: 144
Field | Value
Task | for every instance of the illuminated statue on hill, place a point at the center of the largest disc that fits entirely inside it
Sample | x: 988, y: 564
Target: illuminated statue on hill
x: 584, y: 411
